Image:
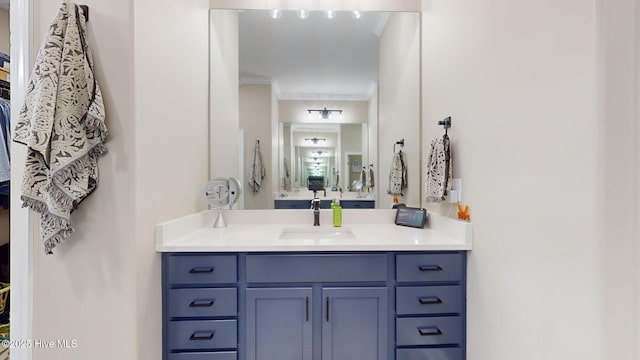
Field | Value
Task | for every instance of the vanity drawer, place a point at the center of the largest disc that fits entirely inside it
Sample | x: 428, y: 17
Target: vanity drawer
x: 430, y: 267
x: 202, y: 302
x: 430, y: 354
x: 202, y: 269
x: 316, y: 268
x: 429, y: 330
x: 226, y: 355
x: 416, y: 300
x: 203, y: 334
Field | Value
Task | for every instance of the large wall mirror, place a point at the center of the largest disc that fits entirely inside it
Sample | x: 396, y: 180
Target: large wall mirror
x: 315, y: 93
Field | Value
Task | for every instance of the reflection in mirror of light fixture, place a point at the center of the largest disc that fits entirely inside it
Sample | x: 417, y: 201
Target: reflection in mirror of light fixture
x: 324, y: 113
x: 319, y: 153
x: 303, y: 14
x: 315, y: 140
x: 275, y: 14
x: 356, y: 14
x: 331, y: 14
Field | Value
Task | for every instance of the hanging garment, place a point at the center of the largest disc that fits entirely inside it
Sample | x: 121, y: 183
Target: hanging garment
x: 397, y: 175
x: 257, y: 171
x: 439, y: 169
x: 62, y: 124
x: 5, y: 137
x: 371, y: 182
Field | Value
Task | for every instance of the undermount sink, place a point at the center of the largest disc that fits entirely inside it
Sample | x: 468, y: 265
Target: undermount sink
x: 316, y: 233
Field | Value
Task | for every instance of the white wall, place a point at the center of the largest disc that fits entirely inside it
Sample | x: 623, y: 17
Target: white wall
x: 550, y: 274
x: 255, y: 119
x: 399, y: 104
x: 86, y: 290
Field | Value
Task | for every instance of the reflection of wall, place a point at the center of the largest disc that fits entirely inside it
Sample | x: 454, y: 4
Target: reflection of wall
x: 399, y: 102
x: 255, y: 119
x: 4, y: 31
x: 224, y: 95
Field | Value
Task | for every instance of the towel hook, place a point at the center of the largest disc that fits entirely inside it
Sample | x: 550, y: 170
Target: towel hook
x: 85, y: 10
x: 446, y: 123
x: 400, y: 142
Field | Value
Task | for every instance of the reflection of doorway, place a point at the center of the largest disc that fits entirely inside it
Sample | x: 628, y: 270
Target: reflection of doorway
x: 352, y: 168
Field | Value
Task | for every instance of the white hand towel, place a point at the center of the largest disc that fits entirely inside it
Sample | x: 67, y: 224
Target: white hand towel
x: 62, y: 123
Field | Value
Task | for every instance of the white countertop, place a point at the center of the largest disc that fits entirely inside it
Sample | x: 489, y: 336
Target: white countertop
x: 308, y: 195
x: 259, y: 230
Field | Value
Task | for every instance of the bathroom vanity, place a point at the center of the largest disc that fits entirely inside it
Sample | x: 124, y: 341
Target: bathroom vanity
x: 273, y: 284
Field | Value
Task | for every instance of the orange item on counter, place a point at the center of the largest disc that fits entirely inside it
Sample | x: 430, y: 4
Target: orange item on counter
x: 463, y: 214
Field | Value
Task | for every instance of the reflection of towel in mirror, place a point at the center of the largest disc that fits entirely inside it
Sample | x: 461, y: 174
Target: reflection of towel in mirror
x: 439, y: 169
x: 363, y: 177
x: 371, y: 182
x: 287, y: 176
x: 397, y: 175
x: 5, y: 137
x: 257, y: 171
x: 62, y: 124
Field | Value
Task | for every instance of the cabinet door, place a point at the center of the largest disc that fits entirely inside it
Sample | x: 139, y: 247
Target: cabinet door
x: 354, y: 324
x: 279, y: 324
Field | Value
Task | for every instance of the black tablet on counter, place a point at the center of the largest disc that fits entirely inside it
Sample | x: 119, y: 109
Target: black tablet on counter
x: 413, y: 217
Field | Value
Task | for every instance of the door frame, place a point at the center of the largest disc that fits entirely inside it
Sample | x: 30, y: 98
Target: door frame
x: 21, y: 15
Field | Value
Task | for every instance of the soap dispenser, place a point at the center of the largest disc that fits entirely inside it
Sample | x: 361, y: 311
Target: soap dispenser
x: 337, y: 213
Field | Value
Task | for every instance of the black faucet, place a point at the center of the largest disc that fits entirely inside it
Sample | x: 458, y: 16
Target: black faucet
x: 315, y: 205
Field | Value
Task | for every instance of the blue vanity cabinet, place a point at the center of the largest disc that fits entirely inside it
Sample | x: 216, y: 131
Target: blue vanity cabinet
x: 354, y: 324
x: 403, y: 305
x: 431, y: 306
x: 279, y: 323
x: 200, y: 306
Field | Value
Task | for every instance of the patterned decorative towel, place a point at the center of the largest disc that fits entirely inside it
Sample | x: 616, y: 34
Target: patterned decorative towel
x: 397, y: 175
x: 257, y: 171
x: 62, y: 123
x: 439, y: 169
x: 371, y: 181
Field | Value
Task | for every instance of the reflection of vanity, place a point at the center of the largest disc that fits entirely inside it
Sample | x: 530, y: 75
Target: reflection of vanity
x: 324, y: 204
x: 390, y: 292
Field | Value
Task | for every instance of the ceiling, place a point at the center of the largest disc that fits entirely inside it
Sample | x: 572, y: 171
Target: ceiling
x: 312, y: 58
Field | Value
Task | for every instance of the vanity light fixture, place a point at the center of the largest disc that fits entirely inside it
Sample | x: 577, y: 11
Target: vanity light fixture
x: 315, y: 140
x: 331, y: 14
x: 356, y: 14
x: 319, y: 152
x: 303, y: 14
x: 324, y: 113
x: 275, y: 14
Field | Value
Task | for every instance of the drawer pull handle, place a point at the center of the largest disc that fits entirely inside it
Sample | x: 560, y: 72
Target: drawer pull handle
x: 201, y: 270
x: 202, y: 335
x: 306, y: 299
x: 327, y: 309
x: 429, y: 331
x: 429, y: 300
x: 429, y: 268
x: 202, y: 303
